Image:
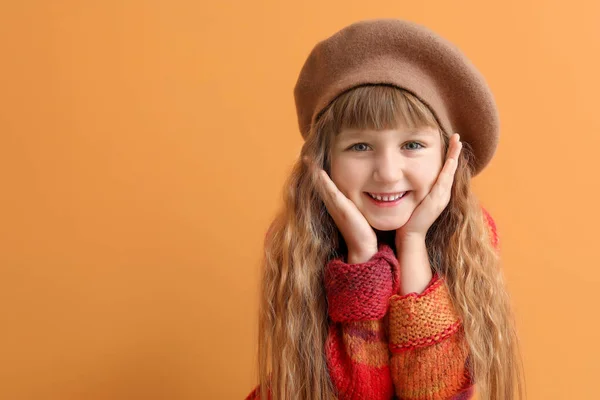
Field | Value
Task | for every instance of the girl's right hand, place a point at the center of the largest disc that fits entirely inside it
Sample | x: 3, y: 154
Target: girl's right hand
x: 358, y: 234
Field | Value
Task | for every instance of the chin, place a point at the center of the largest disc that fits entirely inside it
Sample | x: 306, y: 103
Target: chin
x: 388, y: 224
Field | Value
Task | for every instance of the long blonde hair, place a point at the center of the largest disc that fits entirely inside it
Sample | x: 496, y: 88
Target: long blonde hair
x: 293, y: 319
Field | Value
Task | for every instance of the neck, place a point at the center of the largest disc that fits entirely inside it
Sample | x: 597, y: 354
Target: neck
x: 388, y: 237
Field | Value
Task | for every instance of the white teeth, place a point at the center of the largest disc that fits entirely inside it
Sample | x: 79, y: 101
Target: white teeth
x: 387, y: 198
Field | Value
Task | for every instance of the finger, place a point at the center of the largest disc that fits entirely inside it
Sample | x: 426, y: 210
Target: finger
x: 326, y: 189
x: 443, y: 185
x: 339, y: 206
x: 330, y: 192
x: 320, y: 184
x: 454, y: 147
x: 454, y: 150
x: 457, y: 147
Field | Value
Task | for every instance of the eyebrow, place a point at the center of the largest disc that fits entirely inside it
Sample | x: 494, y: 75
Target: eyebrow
x: 350, y: 134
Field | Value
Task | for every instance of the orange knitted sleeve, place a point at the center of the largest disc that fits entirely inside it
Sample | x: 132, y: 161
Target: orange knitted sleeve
x: 429, y: 354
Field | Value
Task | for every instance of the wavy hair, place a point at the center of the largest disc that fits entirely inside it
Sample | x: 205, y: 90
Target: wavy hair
x: 293, y: 319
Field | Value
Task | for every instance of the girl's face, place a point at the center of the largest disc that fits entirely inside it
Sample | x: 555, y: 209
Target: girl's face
x: 386, y: 162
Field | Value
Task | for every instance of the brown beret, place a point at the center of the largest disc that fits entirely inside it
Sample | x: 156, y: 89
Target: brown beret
x: 409, y: 56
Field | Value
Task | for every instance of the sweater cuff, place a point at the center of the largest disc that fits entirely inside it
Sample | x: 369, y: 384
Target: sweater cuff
x: 420, y: 320
x: 358, y: 292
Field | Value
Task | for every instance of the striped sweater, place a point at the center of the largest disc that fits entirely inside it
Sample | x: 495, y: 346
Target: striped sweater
x: 382, y: 345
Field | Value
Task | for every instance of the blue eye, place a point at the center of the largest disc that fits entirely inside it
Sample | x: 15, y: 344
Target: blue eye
x: 353, y: 147
x: 363, y: 146
x: 417, y: 144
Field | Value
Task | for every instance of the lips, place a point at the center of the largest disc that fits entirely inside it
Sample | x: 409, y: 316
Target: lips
x: 388, y: 196
x: 386, y: 203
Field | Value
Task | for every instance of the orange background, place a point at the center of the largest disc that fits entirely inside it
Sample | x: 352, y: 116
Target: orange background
x: 143, y: 147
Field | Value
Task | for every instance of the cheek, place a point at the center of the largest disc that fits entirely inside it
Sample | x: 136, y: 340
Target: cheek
x: 424, y: 177
x: 430, y: 176
x: 345, y: 181
x: 346, y: 175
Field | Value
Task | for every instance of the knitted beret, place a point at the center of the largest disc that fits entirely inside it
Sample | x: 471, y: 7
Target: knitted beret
x: 410, y: 56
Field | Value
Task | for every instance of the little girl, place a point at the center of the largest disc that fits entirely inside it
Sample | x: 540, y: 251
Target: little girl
x: 381, y: 272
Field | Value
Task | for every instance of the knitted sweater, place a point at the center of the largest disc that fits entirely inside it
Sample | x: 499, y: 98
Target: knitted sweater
x: 382, y: 345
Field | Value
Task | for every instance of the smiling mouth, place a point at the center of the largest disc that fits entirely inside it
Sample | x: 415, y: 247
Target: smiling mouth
x: 387, y: 197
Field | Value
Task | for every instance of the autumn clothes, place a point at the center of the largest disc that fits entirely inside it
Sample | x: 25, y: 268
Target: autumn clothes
x: 382, y: 345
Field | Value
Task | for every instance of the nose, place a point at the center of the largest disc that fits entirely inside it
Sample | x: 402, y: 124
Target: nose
x: 389, y: 167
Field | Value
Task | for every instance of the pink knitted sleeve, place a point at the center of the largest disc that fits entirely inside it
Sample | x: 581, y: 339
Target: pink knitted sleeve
x: 360, y: 292
x: 356, y: 346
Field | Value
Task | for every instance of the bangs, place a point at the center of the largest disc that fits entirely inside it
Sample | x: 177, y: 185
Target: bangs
x: 379, y: 107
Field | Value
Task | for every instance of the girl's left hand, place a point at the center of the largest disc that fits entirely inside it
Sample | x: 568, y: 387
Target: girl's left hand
x: 431, y: 207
